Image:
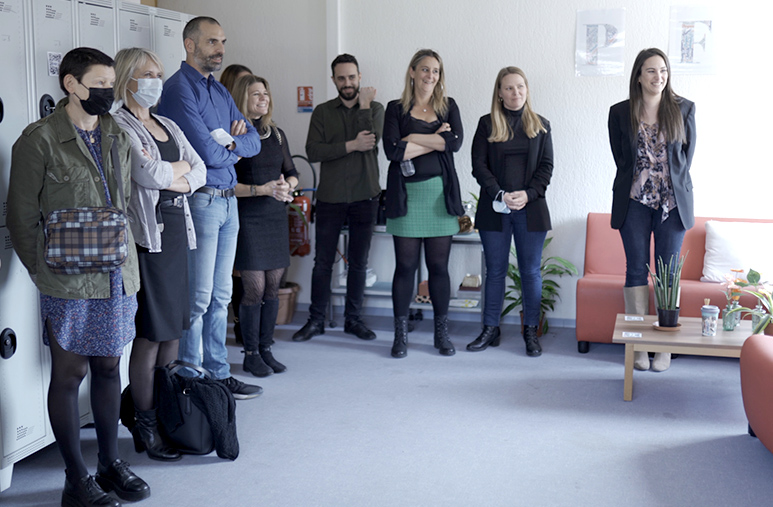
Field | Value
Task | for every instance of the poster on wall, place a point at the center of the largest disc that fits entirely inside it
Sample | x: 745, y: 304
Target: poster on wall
x: 305, y: 99
x: 691, y: 40
x: 600, y: 42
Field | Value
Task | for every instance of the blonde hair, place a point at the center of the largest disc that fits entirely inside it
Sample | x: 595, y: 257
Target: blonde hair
x: 439, y: 100
x: 241, y: 95
x: 127, y: 61
x: 500, y: 127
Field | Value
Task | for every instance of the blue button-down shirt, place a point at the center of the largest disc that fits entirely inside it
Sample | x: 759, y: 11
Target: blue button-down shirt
x: 200, y: 105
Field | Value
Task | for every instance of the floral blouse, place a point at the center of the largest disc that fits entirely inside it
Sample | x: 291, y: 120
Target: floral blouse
x: 651, y: 175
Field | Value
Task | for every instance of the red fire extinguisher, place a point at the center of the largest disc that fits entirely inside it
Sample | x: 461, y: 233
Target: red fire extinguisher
x: 299, y: 216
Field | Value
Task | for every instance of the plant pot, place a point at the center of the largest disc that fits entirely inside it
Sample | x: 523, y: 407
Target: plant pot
x: 288, y: 299
x: 668, y: 318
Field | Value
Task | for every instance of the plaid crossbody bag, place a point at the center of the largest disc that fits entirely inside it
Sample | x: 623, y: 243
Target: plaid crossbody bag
x: 89, y: 239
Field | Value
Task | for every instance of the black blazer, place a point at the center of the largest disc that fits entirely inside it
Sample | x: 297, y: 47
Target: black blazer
x: 488, y: 168
x: 623, y: 142
x: 396, y: 126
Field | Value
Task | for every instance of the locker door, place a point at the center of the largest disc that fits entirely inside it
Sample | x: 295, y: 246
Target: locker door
x: 24, y: 367
x: 96, y: 25
x: 53, y: 36
x: 168, y: 40
x: 134, y: 26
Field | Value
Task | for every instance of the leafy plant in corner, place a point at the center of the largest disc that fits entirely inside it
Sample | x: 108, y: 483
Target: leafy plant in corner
x: 550, y: 268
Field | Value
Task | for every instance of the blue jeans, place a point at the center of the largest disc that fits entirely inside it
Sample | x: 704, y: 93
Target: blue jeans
x: 641, y: 222
x: 496, y: 249
x: 210, y: 266
x: 360, y: 216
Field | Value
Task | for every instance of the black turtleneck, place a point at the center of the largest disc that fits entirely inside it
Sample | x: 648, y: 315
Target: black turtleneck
x: 515, y: 154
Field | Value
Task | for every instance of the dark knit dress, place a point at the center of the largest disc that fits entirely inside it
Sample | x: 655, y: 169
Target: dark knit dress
x: 264, y: 238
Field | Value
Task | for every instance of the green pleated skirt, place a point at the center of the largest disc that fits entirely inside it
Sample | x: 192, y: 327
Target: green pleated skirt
x: 427, y: 216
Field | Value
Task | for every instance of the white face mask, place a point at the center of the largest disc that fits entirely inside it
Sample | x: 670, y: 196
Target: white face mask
x: 148, y: 91
x: 499, y: 205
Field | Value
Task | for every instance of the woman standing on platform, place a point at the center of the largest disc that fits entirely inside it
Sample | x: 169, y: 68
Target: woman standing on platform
x: 165, y: 170
x: 60, y: 162
x: 652, y: 135
x: 422, y: 130
x: 512, y: 159
x: 265, y: 184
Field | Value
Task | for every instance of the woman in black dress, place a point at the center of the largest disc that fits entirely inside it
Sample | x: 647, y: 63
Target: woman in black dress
x: 265, y: 184
x: 165, y: 169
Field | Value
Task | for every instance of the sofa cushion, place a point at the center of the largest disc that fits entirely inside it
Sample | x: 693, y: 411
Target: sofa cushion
x: 737, y: 245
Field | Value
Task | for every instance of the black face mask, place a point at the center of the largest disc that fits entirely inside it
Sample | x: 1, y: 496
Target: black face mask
x: 99, y: 102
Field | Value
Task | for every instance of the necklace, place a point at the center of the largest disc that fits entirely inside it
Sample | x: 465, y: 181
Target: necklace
x: 266, y: 135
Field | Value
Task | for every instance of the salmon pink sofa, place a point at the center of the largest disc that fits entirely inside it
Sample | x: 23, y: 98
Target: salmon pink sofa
x: 756, y: 382
x: 600, y: 290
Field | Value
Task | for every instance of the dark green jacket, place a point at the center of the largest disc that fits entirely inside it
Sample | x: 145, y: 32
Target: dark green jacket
x: 51, y: 169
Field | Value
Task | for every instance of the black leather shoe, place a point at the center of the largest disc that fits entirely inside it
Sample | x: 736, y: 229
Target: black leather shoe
x: 309, y: 330
x: 119, y: 478
x: 533, y: 348
x: 489, y: 336
x: 400, y: 346
x: 86, y: 493
x: 358, y: 329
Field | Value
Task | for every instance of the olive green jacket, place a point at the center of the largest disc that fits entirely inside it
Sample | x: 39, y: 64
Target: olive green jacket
x: 52, y: 169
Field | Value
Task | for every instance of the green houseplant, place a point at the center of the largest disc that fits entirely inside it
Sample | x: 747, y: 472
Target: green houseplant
x: 550, y: 268
x: 666, y: 285
x: 761, y: 314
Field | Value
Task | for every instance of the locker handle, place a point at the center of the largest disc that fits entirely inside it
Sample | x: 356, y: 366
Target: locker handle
x: 47, y: 105
x: 7, y: 343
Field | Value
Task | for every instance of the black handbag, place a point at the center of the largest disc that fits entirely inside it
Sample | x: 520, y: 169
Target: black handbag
x: 182, y: 424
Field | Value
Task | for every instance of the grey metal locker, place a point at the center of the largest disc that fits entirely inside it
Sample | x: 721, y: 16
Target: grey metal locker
x: 96, y: 25
x: 168, y: 39
x: 134, y: 26
x: 24, y: 362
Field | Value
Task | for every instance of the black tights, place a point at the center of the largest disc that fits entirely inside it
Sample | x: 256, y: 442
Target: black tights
x: 67, y: 372
x: 146, y: 355
x: 407, y: 258
x: 260, y: 286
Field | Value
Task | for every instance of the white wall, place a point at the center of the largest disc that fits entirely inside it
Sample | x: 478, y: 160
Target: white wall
x: 289, y: 42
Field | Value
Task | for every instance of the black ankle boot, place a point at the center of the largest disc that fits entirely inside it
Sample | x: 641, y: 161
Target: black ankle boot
x: 268, y: 358
x: 442, y: 342
x: 147, y: 438
x: 489, y: 336
x: 249, y: 317
x: 86, y: 493
x: 118, y: 477
x: 533, y: 348
x: 400, y: 346
x: 268, y: 313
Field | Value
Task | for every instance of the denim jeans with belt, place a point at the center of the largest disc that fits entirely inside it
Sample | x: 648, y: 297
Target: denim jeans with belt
x: 330, y: 218
x: 210, y: 267
x: 641, y: 222
x: 496, y: 249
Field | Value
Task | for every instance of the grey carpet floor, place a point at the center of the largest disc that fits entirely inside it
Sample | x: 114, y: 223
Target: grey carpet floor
x: 347, y: 425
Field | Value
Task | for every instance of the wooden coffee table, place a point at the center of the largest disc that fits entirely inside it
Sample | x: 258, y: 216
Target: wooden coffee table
x: 638, y: 334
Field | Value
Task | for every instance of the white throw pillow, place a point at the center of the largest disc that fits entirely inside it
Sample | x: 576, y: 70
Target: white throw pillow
x: 737, y: 245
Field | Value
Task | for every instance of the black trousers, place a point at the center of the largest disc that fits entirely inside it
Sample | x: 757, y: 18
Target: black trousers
x: 330, y: 218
